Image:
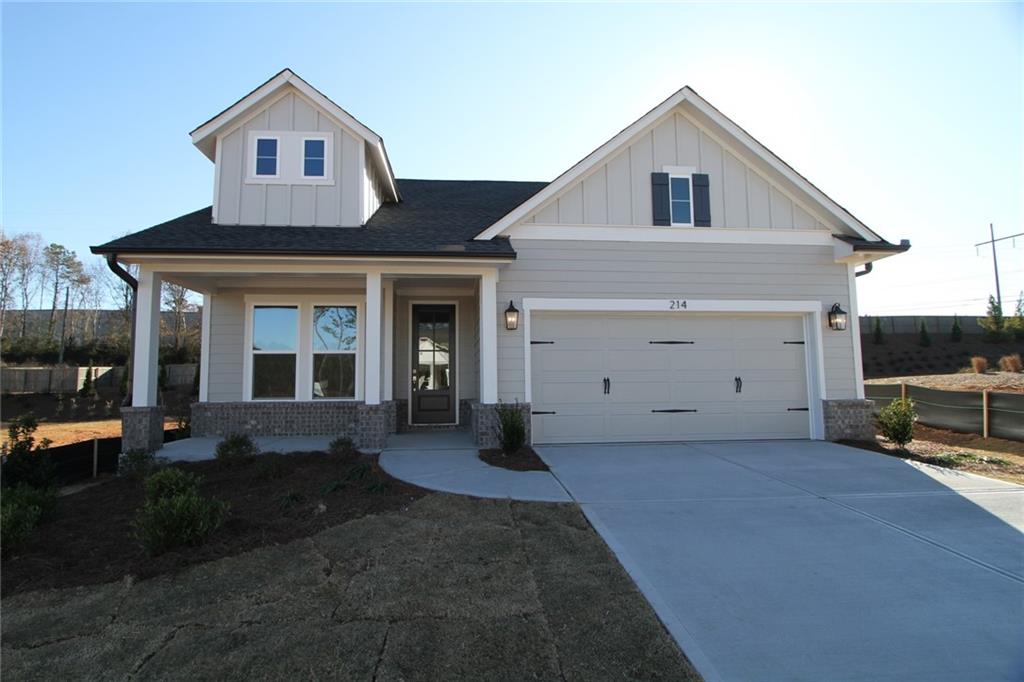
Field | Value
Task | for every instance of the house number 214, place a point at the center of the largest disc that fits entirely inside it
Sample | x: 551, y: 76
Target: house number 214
x: 676, y: 304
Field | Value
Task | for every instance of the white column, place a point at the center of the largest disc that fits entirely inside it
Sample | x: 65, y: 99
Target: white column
x: 854, y: 328
x: 147, y: 339
x: 489, y: 337
x: 372, y: 351
x: 389, y: 341
x: 204, y: 350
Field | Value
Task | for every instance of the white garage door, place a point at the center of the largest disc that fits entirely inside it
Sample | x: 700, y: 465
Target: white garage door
x: 600, y: 377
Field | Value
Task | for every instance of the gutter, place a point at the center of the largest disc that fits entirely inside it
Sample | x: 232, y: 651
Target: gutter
x: 868, y: 267
x: 123, y: 274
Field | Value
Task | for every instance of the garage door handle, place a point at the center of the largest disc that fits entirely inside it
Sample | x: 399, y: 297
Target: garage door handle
x: 673, y: 411
x: 607, y: 385
x: 540, y: 412
x: 739, y: 385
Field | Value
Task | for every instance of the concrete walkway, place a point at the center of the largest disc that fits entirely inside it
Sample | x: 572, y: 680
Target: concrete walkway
x: 800, y: 560
x: 448, y: 461
x: 198, y: 449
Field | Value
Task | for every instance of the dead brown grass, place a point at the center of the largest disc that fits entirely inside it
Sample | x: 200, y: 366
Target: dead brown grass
x: 979, y: 364
x: 1010, y: 363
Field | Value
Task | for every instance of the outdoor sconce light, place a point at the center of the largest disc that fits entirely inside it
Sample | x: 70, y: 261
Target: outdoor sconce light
x: 837, y: 318
x: 511, y: 317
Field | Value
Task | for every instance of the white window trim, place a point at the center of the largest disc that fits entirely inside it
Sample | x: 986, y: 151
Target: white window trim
x: 357, y: 353
x: 253, y: 145
x: 304, y: 353
x: 679, y: 172
x: 810, y: 311
x: 328, y: 175
x: 456, y: 324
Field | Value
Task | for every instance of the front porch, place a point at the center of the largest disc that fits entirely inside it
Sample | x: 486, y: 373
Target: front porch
x: 326, y: 347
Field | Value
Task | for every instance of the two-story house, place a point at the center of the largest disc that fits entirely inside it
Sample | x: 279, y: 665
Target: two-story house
x: 680, y: 282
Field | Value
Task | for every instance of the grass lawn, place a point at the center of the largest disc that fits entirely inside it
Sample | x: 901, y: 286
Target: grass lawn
x: 372, y: 579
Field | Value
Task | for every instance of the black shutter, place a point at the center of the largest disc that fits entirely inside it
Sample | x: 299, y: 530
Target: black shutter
x: 701, y: 201
x: 660, y: 200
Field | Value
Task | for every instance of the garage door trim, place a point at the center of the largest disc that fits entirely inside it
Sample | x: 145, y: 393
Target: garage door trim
x: 810, y: 311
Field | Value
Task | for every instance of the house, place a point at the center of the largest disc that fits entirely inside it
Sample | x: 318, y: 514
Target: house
x: 680, y: 282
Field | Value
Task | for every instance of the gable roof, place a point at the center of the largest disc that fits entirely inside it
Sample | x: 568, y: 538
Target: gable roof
x: 612, y: 146
x: 204, y: 136
x: 435, y: 218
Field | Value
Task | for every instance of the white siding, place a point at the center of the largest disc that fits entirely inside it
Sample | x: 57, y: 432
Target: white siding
x: 578, y: 269
x: 248, y: 203
x: 618, y: 192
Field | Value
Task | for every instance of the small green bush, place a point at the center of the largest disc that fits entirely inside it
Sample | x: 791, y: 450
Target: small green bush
x: 88, y: 389
x: 171, y: 481
x: 342, y: 445
x: 511, y: 427
x: 897, y: 421
x: 876, y: 332
x: 139, y: 463
x: 994, y: 324
x: 43, y: 498
x: 27, y: 461
x: 956, y: 334
x: 924, y: 338
x: 17, y: 521
x: 236, y: 447
x: 180, y: 520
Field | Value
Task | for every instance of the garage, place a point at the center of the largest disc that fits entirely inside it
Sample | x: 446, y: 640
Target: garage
x: 622, y: 377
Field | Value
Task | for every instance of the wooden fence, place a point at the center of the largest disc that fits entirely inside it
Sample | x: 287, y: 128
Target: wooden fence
x: 988, y: 413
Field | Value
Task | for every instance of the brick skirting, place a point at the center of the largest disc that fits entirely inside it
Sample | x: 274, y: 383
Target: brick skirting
x: 142, y: 429
x: 849, y: 420
x: 484, y: 423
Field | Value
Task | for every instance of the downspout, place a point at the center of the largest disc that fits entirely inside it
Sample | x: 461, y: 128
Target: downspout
x: 867, y: 268
x: 116, y: 268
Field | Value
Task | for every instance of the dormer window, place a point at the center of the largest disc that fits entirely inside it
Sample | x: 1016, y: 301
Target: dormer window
x: 266, y: 157
x: 314, y: 155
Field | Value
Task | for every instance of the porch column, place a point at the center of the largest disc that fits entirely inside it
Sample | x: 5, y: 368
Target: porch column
x: 147, y: 339
x: 389, y: 340
x: 489, y: 337
x: 372, y: 352
x: 204, y: 350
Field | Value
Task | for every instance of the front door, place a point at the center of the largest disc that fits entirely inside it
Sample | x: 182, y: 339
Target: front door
x: 433, y: 364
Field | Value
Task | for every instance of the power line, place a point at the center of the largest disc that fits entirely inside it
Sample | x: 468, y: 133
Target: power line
x: 995, y: 263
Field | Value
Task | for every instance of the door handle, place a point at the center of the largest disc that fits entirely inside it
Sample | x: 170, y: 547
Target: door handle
x: 739, y: 385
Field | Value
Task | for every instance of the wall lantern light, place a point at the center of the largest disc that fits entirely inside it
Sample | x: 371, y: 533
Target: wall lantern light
x: 511, y: 317
x: 837, y: 318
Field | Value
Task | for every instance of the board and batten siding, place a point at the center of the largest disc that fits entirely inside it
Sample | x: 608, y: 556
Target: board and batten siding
x: 468, y: 353
x: 606, y: 269
x: 248, y: 203
x: 618, y: 192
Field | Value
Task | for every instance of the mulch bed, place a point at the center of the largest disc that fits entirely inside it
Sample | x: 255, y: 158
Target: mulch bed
x: 525, y: 459
x: 274, y: 498
x: 948, y: 456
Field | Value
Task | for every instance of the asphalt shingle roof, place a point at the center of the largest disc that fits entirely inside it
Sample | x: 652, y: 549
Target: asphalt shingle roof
x: 435, y: 217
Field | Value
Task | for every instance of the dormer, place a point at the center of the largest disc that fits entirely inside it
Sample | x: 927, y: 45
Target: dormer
x: 287, y: 155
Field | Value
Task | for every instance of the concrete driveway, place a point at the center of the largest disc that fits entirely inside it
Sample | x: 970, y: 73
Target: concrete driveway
x: 799, y: 560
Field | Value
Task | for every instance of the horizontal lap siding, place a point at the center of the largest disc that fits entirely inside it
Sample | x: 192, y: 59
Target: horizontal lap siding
x: 579, y: 269
x: 227, y: 329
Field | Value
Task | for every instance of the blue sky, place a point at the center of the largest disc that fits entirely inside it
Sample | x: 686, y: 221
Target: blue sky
x: 909, y: 115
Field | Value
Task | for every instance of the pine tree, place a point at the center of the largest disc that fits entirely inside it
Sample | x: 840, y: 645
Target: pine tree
x: 876, y: 332
x: 925, y: 339
x: 1015, y: 324
x: 956, y: 334
x: 993, y: 324
x: 87, y: 389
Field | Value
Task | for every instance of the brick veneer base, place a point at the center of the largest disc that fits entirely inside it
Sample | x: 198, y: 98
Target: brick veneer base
x: 142, y: 428
x: 849, y: 419
x: 367, y: 425
x: 483, y: 421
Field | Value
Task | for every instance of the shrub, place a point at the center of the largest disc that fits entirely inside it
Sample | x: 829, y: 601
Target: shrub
x: 342, y: 445
x: 27, y: 461
x: 161, y: 377
x: 897, y: 421
x: 139, y: 463
x: 924, y: 338
x: 43, y: 498
x: 979, y: 364
x: 1010, y: 363
x: 122, y: 385
x: 195, y: 380
x: 994, y: 323
x: 88, y: 389
x: 236, y: 447
x: 956, y: 334
x: 876, y: 332
x: 183, y: 519
x: 17, y: 521
x: 1015, y: 324
x: 170, y: 482
x: 511, y: 427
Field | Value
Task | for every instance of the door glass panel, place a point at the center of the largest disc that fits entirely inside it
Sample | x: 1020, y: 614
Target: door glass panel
x: 433, y: 363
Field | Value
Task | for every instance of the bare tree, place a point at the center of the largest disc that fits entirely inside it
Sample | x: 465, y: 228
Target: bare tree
x: 175, y: 299
x: 9, y: 256
x: 29, y: 274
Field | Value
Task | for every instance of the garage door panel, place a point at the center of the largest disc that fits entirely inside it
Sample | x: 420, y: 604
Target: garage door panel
x: 784, y: 425
x: 572, y: 359
x: 698, y: 392
x: 693, y: 358
x: 637, y: 359
x: 775, y: 391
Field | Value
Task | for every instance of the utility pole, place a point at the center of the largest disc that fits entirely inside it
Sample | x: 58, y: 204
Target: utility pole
x: 995, y: 263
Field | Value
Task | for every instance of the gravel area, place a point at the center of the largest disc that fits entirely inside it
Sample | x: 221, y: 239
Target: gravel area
x: 995, y: 381
x: 451, y: 588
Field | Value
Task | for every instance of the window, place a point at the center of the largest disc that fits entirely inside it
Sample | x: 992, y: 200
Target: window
x: 275, y: 332
x: 314, y: 153
x: 681, y: 203
x: 266, y: 156
x: 335, y: 343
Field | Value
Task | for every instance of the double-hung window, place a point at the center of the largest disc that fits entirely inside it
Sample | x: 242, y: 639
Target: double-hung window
x: 314, y: 156
x: 335, y: 344
x: 266, y: 157
x: 681, y: 199
x: 275, y: 346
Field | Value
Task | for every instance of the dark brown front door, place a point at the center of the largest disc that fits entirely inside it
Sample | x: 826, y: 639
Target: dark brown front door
x: 433, y: 364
